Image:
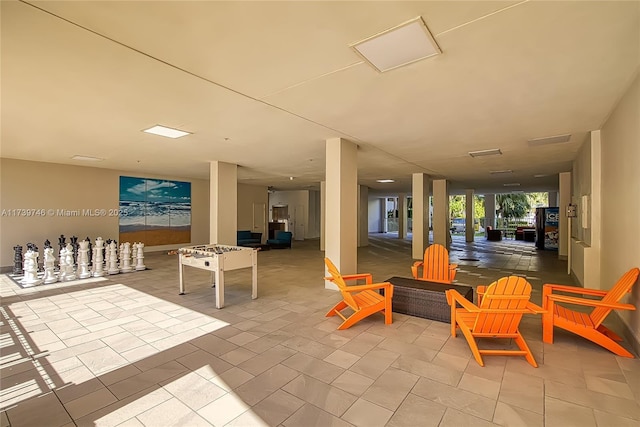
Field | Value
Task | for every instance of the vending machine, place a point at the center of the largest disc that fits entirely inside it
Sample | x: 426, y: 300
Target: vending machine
x: 547, y: 228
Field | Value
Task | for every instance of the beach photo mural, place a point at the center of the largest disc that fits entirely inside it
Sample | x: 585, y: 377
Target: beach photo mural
x: 155, y: 212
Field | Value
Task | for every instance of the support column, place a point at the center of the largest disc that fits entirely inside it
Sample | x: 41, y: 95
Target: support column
x: 403, y: 208
x: 383, y: 215
x: 441, y: 221
x: 563, y: 225
x: 341, y: 216
x: 489, y: 211
x: 323, y: 212
x: 420, y: 193
x: 363, y: 215
x: 553, y: 199
x: 223, y: 203
x: 470, y: 219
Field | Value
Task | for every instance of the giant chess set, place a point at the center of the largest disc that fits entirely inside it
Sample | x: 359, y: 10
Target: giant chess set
x: 218, y: 259
x: 77, y: 260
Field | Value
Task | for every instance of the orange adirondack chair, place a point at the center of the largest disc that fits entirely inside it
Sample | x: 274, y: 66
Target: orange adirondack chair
x: 364, y: 300
x: 498, y: 315
x: 590, y: 325
x: 435, y: 265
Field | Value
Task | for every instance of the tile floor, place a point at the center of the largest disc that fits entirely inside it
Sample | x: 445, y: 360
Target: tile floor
x: 127, y: 350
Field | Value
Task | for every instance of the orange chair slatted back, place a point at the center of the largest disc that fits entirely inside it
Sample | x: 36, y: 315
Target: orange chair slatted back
x: 614, y: 295
x: 508, y: 293
x: 342, y: 285
x: 436, y: 263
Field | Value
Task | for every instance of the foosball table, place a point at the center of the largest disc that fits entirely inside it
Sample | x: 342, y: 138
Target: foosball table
x: 218, y: 259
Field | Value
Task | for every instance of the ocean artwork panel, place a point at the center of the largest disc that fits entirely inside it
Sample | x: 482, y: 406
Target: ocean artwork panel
x: 155, y: 212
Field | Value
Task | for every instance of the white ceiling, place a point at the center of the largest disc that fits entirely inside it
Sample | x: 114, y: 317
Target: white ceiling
x: 264, y: 84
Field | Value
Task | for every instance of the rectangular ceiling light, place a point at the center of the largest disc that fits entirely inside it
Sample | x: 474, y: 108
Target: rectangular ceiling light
x: 165, y: 131
x: 540, y: 175
x: 384, y: 180
x: 550, y: 140
x: 87, y: 158
x: 401, y: 45
x: 512, y: 184
x: 502, y: 171
x: 492, y: 152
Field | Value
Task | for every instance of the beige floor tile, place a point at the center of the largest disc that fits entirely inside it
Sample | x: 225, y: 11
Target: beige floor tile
x: 523, y: 391
x: 428, y: 370
x: 102, y: 360
x: 123, y: 341
x: 146, y: 379
x: 365, y: 413
x: 470, y: 403
x: 75, y: 390
x: 606, y: 419
x: 248, y: 418
x: 507, y: 415
x: 479, y: 385
x: 269, y: 358
x: 353, y: 383
x: 45, y: 410
x: 229, y: 379
x: 171, y: 413
x: 193, y: 390
x: 223, y: 410
x: 342, y: 359
x: 391, y: 388
x: 4, y: 421
x: 374, y: 363
x: 258, y: 388
x: 276, y: 408
x: 613, y: 388
x: 89, y: 403
x: 455, y: 418
x: 313, y: 367
x: 564, y: 414
x: 312, y: 416
x: 237, y: 355
x: 133, y: 422
x: 417, y: 411
x: 324, y: 396
x: 119, y: 375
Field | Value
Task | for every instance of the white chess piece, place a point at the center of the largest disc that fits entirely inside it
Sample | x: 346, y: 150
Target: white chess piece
x: 134, y: 253
x: 125, y: 258
x: 70, y: 273
x: 30, y: 268
x: 83, y: 260
x: 112, y: 258
x: 98, y: 269
x: 62, y: 264
x: 140, y: 256
x: 49, y: 261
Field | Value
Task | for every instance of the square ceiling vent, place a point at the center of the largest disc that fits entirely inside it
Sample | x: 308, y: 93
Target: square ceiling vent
x: 401, y: 45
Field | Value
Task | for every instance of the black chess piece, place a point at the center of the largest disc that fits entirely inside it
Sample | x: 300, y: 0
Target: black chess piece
x: 76, y: 245
x: 62, y: 242
x: 47, y: 244
x: 90, y: 250
x: 17, y: 260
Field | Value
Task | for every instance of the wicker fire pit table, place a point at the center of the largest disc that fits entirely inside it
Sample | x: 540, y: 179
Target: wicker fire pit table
x: 424, y: 299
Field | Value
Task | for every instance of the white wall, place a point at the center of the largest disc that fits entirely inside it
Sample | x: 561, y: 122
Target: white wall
x: 375, y: 218
x: 621, y: 199
x: 292, y: 199
x: 248, y: 195
x: 313, y: 230
x: 37, y: 185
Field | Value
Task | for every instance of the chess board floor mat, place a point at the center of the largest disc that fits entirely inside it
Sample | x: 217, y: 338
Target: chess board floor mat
x: 17, y: 279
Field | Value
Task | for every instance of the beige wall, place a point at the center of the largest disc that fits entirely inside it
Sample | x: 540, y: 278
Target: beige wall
x: 248, y: 195
x: 49, y: 186
x: 621, y: 198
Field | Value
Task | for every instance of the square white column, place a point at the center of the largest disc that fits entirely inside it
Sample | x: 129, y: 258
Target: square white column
x: 402, y: 216
x: 441, y: 221
x: 420, y: 193
x: 363, y: 215
x: 341, y: 216
x: 223, y: 203
x: 470, y: 220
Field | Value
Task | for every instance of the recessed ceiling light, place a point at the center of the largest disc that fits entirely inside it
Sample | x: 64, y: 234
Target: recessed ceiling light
x: 502, y: 171
x: 540, y: 175
x: 401, y: 45
x: 165, y: 131
x: 384, y: 180
x: 87, y: 158
x: 290, y: 178
x: 479, y: 153
x: 512, y: 184
x: 550, y: 140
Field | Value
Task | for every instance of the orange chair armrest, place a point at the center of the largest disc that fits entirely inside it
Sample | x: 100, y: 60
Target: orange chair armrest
x: 417, y: 264
x: 535, y: 309
x: 359, y: 288
x: 453, y: 266
x: 590, y: 302
x: 454, y: 296
x: 366, y: 276
x: 575, y: 290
